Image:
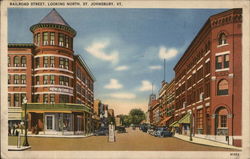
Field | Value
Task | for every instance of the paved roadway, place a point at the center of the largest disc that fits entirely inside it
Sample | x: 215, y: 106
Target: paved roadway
x: 133, y: 140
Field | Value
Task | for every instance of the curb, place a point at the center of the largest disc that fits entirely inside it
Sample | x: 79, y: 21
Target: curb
x: 235, y: 149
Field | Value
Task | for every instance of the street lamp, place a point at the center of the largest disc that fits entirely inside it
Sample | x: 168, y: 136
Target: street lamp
x: 191, y: 126
x: 25, y: 143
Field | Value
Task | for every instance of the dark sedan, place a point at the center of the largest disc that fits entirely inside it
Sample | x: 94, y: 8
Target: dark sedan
x: 101, y: 132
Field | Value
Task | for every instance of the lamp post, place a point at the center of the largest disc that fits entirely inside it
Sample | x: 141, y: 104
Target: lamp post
x: 191, y: 126
x: 25, y: 143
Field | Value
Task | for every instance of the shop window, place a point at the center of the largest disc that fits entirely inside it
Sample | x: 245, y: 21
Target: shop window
x: 37, y: 80
x: 222, y: 39
x: 49, y: 122
x: 222, y: 87
x: 23, y: 95
x: 23, y: 79
x: 9, y: 79
x: 16, y: 79
x: 45, y: 79
x: 23, y: 61
x: 61, y: 39
x: 45, y: 98
x: 9, y: 63
x: 52, y: 79
x: 199, y: 119
x: 52, y: 38
x: 52, y: 61
x: 45, y: 38
x: 37, y: 62
x: 16, y: 100
x: 16, y: 61
x: 52, y: 98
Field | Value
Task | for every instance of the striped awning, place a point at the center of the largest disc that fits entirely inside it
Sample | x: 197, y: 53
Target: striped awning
x: 185, y: 119
x: 175, y: 124
x: 163, y: 122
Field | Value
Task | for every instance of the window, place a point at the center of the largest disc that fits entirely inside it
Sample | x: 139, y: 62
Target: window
x: 35, y: 39
x: 61, y: 62
x: 37, y: 80
x: 9, y: 100
x: 66, y: 81
x: 222, y: 88
x: 67, y: 41
x: 219, y: 61
x: 61, y: 80
x: 45, y: 79
x: 45, y: 98
x: 38, y: 39
x: 23, y: 61
x: 61, y: 39
x: 207, y: 68
x: 52, y: 61
x: 45, y: 61
x: 222, y: 39
x: 16, y: 79
x: 207, y: 90
x: 67, y: 63
x: 16, y: 61
x: 52, y: 38
x: 23, y: 95
x: 23, y: 79
x: 223, y: 121
x: 49, y: 122
x: 52, y: 98
x: 16, y: 100
x: 45, y: 38
x: 199, y: 119
x: 9, y: 61
x: 36, y: 98
x: 37, y: 62
x: 52, y: 79
x: 9, y: 79
x: 63, y: 98
x: 226, y: 61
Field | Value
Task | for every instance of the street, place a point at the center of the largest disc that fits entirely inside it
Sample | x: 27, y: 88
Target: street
x: 133, y: 140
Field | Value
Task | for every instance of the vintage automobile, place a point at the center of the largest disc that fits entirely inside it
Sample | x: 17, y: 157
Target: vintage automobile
x: 101, y: 132
x: 162, y: 132
x: 121, y: 129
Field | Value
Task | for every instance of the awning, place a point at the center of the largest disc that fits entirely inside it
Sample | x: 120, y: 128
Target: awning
x: 185, y: 119
x: 163, y: 122
x: 175, y: 124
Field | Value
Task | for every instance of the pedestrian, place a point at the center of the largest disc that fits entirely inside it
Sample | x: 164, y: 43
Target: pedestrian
x: 14, y: 128
x: 9, y: 129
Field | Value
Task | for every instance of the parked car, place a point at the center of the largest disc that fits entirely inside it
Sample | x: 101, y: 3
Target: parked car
x: 101, y: 132
x: 121, y: 129
x: 162, y: 132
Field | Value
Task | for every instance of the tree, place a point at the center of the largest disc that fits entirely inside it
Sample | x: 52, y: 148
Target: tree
x: 137, y: 116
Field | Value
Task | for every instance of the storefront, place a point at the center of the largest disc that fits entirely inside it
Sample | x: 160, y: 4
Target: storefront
x: 59, y: 119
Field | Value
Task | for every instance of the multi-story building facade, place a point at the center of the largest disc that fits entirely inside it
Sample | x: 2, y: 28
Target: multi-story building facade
x: 168, y: 106
x: 208, y: 81
x: 57, y: 83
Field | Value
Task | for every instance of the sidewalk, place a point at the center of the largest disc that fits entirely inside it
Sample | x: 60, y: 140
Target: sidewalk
x: 201, y: 141
x: 60, y: 136
x: 15, y: 148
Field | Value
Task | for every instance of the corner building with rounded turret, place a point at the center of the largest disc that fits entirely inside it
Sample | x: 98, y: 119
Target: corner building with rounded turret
x: 57, y: 83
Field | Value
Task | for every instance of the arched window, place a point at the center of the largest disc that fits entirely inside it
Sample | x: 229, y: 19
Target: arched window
x: 222, y: 87
x: 222, y: 39
x: 16, y: 61
x: 23, y: 61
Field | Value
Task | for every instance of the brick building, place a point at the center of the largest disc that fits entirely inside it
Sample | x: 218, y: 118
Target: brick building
x: 56, y: 82
x: 208, y: 81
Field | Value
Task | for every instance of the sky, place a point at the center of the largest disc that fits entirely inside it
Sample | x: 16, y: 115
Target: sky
x: 124, y: 48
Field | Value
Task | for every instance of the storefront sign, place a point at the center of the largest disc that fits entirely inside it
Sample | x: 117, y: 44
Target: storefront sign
x: 63, y: 90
